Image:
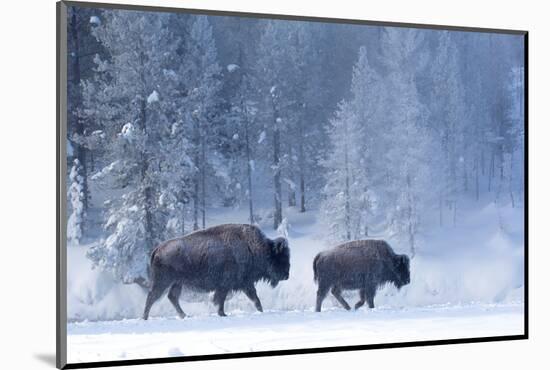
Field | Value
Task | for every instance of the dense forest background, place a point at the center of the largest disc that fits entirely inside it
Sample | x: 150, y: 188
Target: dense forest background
x: 175, y: 118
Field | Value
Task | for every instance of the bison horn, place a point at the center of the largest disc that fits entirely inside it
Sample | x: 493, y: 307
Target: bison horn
x: 279, y: 244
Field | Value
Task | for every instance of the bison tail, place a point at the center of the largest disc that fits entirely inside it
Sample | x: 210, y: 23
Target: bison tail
x: 150, y: 264
x: 152, y: 257
x: 315, y: 273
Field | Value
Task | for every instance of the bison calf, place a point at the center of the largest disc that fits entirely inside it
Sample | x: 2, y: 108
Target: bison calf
x: 360, y: 264
x: 221, y: 259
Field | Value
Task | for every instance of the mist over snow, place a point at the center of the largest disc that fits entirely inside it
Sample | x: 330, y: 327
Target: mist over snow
x: 323, y: 133
x: 474, y: 290
x: 479, y: 263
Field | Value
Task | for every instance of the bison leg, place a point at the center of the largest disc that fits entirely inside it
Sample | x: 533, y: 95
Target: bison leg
x: 219, y: 299
x: 251, y: 294
x: 337, y: 294
x: 157, y: 288
x: 321, y: 294
x: 363, y: 297
x: 370, y: 300
x: 174, y: 296
x: 370, y: 292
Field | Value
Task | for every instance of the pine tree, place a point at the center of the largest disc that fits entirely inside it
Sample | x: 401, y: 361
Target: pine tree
x: 408, y: 143
x: 343, y: 167
x: 129, y: 99
x: 515, y: 134
x: 243, y: 125
x: 75, y: 197
x: 448, y: 112
x: 272, y: 67
x: 82, y: 46
x: 349, y: 186
x: 308, y: 97
x: 204, y: 85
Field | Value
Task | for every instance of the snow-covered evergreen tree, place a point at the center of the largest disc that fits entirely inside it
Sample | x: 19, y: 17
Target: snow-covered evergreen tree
x: 81, y: 47
x: 515, y: 135
x: 281, y: 64
x: 379, y: 138
x: 75, y: 197
x: 344, y: 193
x: 242, y: 128
x: 409, y: 147
x: 204, y: 85
x: 306, y: 131
x: 448, y: 112
x: 131, y: 102
x: 274, y: 61
x: 352, y: 160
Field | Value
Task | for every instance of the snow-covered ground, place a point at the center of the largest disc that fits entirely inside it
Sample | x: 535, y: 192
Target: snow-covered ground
x: 466, y: 281
x: 278, y: 330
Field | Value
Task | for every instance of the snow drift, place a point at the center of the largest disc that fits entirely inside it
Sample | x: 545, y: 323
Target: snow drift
x: 479, y: 261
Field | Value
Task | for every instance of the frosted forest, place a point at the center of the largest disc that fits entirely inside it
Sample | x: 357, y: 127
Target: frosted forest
x: 318, y: 132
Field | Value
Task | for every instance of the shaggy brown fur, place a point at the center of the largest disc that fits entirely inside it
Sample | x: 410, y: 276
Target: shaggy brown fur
x: 360, y: 264
x: 222, y: 259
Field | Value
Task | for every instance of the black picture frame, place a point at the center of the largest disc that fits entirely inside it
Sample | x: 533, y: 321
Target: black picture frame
x: 61, y: 205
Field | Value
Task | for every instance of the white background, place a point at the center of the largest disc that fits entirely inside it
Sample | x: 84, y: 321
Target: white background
x: 27, y: 170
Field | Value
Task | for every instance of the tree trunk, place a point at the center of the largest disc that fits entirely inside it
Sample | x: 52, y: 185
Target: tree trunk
x: 183, y: 221
x: 510, y: 182
x: 291, y: 197
x: 491, y: 170
x: 78, y: 149
x: 501, y: 159
x: 347, y: 215
x: 196, y: 177
x: 454, y: 212
x: 203, y: 177
x: 440, y: 208
x: 464, y: 168
x: 483, y: 162
x: 248, y: 166
x: 278, y: 215
x: 302, y: 193
x: 477, y: 178
x: 454, y: 165
x: 291, y: 189
x: 501, y: 146
x: 301, y: 165
x: 147, y: 191
x: 410, y: 226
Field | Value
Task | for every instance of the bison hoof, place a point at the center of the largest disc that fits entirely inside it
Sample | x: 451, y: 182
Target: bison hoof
x: 222, y: 314
x: 182, y: 315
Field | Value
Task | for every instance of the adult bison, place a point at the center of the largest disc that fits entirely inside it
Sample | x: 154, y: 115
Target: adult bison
x: 221, y: 259
x: 360, y: 264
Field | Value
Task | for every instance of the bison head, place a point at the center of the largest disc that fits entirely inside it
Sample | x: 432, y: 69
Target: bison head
x: 402, y: 271
x: 279, y: 265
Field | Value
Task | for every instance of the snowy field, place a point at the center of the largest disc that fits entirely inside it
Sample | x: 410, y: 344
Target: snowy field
x: 377, y: 143
x: 276, y: 330
x: 472, y: 291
